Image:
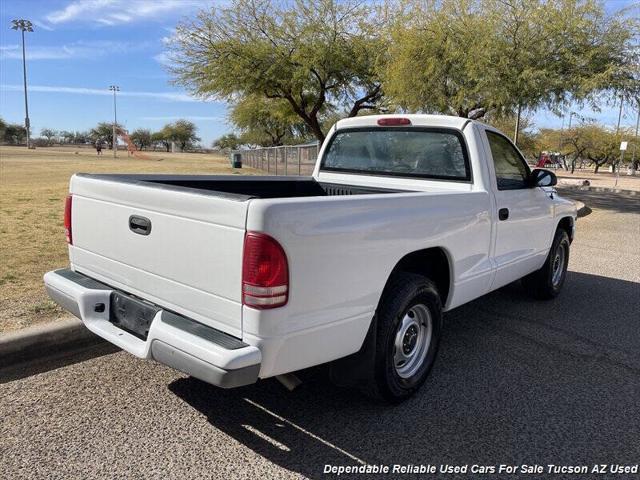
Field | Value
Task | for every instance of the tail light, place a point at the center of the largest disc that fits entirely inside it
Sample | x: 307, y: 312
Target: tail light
x: 67, y: 219
x: 393, y: 121
x: 265, y: 272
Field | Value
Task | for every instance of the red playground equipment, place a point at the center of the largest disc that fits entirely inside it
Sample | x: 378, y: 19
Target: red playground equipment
x: 549, y: 159
x: 131, y: 147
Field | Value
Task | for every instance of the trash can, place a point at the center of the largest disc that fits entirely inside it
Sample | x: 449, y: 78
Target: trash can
x: 236, y: 160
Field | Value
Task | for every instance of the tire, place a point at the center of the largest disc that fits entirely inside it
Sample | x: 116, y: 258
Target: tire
x: 409, y: 315
x: 546, y: 283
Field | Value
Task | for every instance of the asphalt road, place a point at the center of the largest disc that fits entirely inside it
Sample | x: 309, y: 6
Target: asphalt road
x: 517, y: 381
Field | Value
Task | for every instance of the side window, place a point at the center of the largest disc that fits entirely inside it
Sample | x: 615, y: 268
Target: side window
x: 511, y: 170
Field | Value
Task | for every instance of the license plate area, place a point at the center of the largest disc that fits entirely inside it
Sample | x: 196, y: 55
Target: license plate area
x: 131, y: 314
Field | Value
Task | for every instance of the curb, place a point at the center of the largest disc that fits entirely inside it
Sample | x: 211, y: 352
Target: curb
x: 581, y: 188
x: 43, y: 341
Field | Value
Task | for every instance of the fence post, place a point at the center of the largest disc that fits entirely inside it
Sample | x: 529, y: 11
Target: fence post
x: 286, y: 159
x: 257, y: 157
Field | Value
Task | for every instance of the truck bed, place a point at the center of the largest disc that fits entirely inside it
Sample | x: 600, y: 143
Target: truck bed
x: 188, y: 259
x: 244, y: 188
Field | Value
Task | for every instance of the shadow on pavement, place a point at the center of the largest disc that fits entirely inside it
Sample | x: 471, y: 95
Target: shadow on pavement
x: 517, y: 381
x: 51, y: 362
x: 618, y: 202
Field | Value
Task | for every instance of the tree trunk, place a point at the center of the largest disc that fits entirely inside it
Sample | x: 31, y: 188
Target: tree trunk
x: 597, y: 168
x: 310, y: 118
x: 314, y: 125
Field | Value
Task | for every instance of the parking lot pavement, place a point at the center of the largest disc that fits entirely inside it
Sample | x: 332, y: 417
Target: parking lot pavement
x: 517, y: 381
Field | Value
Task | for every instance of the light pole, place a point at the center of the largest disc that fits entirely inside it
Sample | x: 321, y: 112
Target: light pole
x: 114, y: 89
x: 516, y: 133
x: 635, y: 143
x: 24, y: 26
x: 619, y: 114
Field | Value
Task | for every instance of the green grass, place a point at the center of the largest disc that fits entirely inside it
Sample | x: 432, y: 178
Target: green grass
x: 33, y: 186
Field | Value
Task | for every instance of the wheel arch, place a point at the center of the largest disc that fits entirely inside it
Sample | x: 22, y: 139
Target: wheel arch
x: 568, y: 225
x: 433, y: 263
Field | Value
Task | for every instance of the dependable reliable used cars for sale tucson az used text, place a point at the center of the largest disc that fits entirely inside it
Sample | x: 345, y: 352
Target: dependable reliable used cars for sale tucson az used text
x: 232, y: 279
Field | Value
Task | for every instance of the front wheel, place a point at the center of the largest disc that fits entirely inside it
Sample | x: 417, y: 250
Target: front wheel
x: 547, y: 282
x: 409, y: 326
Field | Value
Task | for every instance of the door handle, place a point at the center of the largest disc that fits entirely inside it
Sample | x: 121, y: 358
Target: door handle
x: 139, y: 225
x: 503, y: 213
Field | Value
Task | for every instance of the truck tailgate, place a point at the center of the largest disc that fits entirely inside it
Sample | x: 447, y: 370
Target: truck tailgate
x: 190, y: 261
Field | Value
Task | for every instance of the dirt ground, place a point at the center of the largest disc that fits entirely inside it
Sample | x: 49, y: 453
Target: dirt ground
x: 33, y: 185
x: 601, y: 179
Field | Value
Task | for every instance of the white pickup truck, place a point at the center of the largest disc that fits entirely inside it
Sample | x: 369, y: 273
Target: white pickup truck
x: 232, y: 278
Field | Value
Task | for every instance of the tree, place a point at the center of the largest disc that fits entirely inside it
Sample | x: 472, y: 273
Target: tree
x: 14, y: 134
x: 81, y: 137
x: 229, y: 141
x: 265, y: 121
x: 596, y: 143
x: 67, y: 136
x: 163, y: 137
x: 49, y: 134
x: 76, y: 137
x: 104, y: 132
x: 3, y: 128
x: 308, y: 53
x: 141, y: 138
x: 183, y: 132
x: 507, y: 124
x: 470, y: 57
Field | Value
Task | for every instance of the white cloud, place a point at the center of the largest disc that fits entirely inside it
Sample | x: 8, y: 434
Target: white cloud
x: 78, y: 49
x: 42, y: 25
x: 187, y: 117
x: 163, y: 59
x: 118, y: 12
x: 168, y: 96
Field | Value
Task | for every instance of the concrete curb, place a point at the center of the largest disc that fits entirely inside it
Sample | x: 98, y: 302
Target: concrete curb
x: 47, y: 340
x: 581, y: 188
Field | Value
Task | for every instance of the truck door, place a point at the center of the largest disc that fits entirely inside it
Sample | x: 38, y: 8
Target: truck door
x: 524, y: 215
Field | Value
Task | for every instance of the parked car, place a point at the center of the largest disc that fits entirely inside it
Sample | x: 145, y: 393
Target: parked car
x: 231, y: 279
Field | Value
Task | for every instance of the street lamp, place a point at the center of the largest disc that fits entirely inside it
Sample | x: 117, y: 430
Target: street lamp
x: 24, y: 26
x: 635, y: 143
x: 571, y: 114
x: 114, y: 89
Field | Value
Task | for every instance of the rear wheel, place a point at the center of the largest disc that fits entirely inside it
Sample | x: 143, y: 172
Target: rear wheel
x: 409, y: 325
x: 547, y: 282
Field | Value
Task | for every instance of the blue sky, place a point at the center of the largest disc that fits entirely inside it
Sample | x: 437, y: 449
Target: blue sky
x: 80, y: 47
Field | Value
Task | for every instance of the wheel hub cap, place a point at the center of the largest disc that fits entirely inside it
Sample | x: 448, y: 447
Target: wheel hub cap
x: 558, y: 265
x: 412, y: 341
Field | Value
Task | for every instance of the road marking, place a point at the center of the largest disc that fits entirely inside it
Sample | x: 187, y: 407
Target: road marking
x: 297, y: 427
x: 267, y: 438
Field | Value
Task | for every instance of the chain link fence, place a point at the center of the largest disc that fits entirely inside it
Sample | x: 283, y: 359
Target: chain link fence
x: 284, y: 160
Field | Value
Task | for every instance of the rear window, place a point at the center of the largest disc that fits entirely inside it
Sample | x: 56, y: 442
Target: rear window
x: 399, y: 151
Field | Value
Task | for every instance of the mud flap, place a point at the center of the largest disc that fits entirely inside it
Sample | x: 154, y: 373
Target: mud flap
x: 358, y: 368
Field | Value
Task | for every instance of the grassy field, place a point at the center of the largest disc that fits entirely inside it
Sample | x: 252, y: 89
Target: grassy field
x: 33, y: 185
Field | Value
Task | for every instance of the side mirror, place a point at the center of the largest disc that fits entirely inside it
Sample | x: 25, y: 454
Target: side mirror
x: 542, y: 178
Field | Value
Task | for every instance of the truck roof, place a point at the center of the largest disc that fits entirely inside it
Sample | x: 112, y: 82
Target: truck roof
x: 422, y: 120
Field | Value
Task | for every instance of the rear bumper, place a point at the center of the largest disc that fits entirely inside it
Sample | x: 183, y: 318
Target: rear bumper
x: 173, y: 340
